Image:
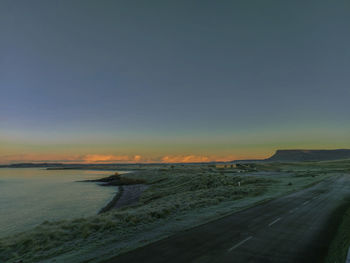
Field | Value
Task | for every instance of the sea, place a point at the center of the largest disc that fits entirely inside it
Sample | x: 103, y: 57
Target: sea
x: 30, y: 196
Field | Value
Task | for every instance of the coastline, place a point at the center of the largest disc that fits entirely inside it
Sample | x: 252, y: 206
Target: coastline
x: 129, y: 191
x: 113, y: 202
x: 127, y: 195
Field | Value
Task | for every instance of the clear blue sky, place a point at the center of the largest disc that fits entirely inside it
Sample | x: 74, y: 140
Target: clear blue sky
x: 219, y: 79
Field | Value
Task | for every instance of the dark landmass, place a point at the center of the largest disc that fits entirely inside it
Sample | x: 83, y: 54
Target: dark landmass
x: 32, y: 165
x: 116, y: 180
x: 302, y: 155
x: 78, y: 166
x: 309, y: 155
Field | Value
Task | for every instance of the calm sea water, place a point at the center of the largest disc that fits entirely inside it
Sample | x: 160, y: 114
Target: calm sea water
x: 29, y: 196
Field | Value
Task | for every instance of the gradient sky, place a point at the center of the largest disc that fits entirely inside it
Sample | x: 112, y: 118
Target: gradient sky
x: 166, y: 81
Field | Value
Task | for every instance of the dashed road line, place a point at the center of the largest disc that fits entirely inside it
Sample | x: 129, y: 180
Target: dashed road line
x: 275, y: 221
x: 239, y: 244
x: 306, y: 202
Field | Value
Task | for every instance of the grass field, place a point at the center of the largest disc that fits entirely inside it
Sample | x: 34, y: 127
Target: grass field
x: 178, y: 197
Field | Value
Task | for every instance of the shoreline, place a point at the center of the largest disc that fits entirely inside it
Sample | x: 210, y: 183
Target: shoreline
x: 127, y: 195
x: 129, y: 191
x: 112, y: 202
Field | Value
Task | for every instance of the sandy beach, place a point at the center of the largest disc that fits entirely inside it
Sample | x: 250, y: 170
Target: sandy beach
x: 126, y: 196
x: 129, y: 191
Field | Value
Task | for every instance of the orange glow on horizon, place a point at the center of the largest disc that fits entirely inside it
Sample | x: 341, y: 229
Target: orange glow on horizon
x: 110, y: 158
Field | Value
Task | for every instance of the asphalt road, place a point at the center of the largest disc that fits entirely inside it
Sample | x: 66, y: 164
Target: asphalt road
x: 293, y: 228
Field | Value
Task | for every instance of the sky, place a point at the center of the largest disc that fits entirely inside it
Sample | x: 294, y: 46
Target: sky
x: 172, y: 81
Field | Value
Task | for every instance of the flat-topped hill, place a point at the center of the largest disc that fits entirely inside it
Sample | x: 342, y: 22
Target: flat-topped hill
x: 310, y: 155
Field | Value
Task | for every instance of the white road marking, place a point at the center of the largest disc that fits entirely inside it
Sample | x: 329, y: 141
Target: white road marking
x: 239, y: 244
x: 278, y: 219
x: 306, y: 202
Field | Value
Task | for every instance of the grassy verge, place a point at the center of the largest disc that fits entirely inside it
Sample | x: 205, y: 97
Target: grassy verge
x: 340, y: 244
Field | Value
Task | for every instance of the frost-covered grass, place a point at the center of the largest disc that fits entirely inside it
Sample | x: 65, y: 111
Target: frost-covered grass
x: 178, y: 198
x: 339, y: 247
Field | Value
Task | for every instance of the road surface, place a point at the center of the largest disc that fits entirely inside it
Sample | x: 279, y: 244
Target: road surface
x: 293, y: 228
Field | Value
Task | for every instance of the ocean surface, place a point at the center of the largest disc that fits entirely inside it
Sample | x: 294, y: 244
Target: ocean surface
x: 29, y: 196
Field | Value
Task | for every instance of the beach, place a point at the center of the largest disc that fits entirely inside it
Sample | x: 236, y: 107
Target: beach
x: 129, y: 191
x: 127, y: 195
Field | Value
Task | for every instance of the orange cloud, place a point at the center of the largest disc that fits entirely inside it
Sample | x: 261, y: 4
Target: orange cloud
x: 137, y: 158
x: 101, y: 158
x: 89, y: 158
x: 184, y: 159
x: 110, y: 158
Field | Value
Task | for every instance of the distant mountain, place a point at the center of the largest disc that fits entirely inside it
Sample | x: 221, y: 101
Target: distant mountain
x: 309, y: 155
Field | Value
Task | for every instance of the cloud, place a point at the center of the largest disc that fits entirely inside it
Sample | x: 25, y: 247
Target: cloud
x: 184, y: 159
x: 101, y: 158
x: 110, y: 158
x: 137, y: 158
x: 88, y: 158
